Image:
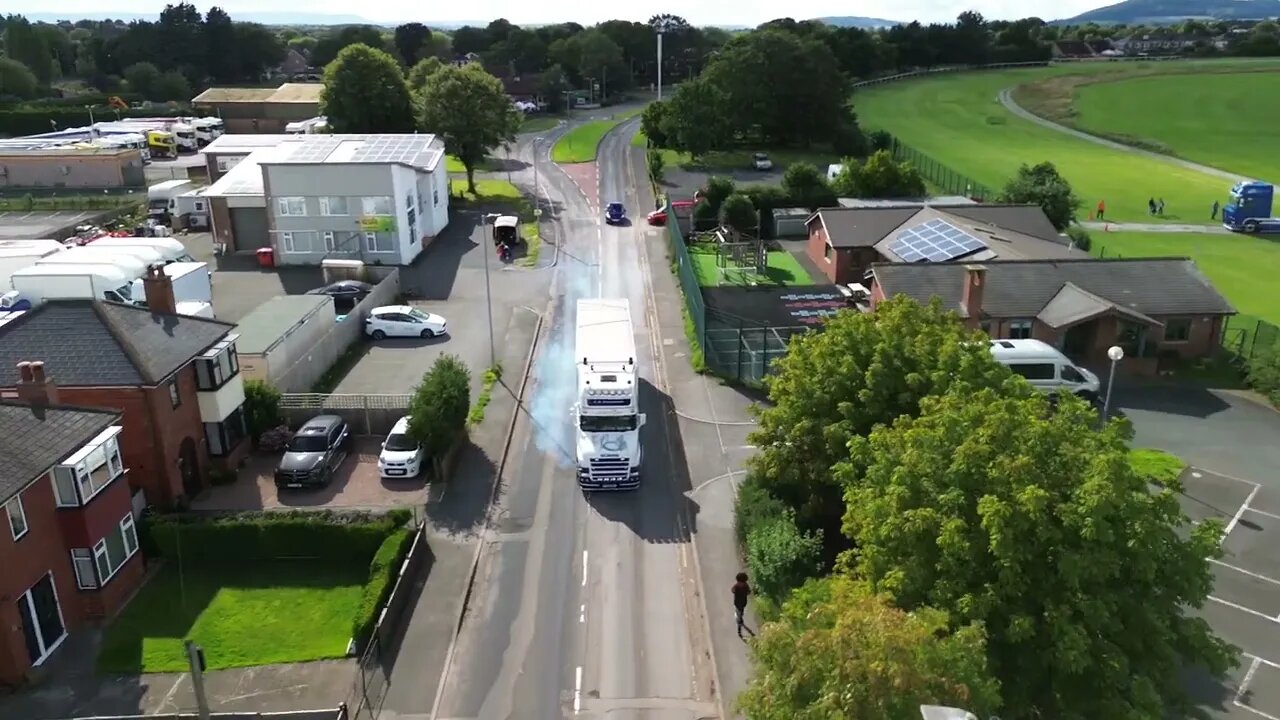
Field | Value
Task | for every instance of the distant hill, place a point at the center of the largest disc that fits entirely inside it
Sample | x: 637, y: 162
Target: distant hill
x: 264, y: 18
x: 865, y: 23
x: 1168, y: 12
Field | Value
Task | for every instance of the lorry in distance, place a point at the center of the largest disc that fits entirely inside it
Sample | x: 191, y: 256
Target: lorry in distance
x: 1248, y: 208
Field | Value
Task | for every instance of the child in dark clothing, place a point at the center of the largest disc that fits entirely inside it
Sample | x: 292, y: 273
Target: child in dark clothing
x: 741, y: 591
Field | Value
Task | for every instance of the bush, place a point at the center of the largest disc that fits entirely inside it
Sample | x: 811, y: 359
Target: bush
x: 261, y: 407
x: 352, y: 537
x: 274, y: 439
x: 1080, y: 237
x: 781, y: 557
x: 754, y: 507
x: 738, y: 212
x: 1264, y: 373
x: 879, y: 140
x: 383, y: 571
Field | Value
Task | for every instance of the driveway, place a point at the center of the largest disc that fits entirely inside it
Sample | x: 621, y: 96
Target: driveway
x: 449, y: 280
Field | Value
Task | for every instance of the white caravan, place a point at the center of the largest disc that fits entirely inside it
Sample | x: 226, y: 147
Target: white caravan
x: 606, y: 415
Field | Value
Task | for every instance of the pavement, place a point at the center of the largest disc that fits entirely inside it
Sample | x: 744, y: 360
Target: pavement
x: 1094, y: 226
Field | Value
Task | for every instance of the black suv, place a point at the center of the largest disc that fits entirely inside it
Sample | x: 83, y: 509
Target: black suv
x: 314, y: 453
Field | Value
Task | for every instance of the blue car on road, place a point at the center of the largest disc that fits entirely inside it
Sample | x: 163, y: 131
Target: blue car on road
x: 615, y: 213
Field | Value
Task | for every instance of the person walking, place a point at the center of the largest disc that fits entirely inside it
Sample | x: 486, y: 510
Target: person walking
x: 1213, y: 214
x: 741, y: 591
x: 1102, y: 210
x: 1151, y: 206
x: 1160, y: 207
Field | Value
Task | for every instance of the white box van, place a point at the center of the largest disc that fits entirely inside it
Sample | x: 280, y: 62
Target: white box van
x: 170, y: 250
x: 61, y: 282
x: 1045, y: 367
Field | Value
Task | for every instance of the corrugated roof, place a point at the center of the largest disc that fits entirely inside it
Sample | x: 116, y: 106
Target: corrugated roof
x: 270, y: 321
x: 1023, y: 288
x: 33, y: 439
x: 297, y: 93
x: 88, y: 342
x: 286, y: 93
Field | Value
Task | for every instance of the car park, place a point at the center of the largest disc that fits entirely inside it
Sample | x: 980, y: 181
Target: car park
x: 314, y: 453
x: 403, y: 321
x: 401, y: 455
x: 761, y: 161
x: 615, y: 213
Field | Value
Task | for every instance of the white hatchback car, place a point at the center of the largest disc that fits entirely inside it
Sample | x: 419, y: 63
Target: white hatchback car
x: 401, y: 457
x: 403, y: 321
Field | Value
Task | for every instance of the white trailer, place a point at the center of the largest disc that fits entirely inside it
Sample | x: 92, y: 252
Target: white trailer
x: 39, y: 283
x: 192, y: 283
x: 606, y: 414
x: 170, y: 250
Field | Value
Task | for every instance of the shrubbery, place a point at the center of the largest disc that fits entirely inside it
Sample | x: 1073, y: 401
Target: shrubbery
x: 1080, y: 237
x: 352, y: 537
x: 383, y: 571
x: 781, y: 557
x: 1264, y: 373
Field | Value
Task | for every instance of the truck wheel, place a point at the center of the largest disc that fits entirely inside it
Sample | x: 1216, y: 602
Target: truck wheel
x: 1251, y: 226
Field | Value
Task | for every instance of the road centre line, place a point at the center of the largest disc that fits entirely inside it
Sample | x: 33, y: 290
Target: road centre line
x: 584, y: 568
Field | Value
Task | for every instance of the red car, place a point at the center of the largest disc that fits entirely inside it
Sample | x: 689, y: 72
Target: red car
x: 659, y: 217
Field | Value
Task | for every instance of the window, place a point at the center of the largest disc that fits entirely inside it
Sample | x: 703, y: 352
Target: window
x: 82, y: 562
x: 408, y: 202
x: 330, y: 243
x: 297, y: 242
x: 1034, y: 371
x: 83, y: 475
x: 291, y: 206
x: 175, y: 398
x: 17, y: 517
x: 217, y: 365
x: 1177, y: 330
x: 826, y: 251
x: 286, y: 242
x: 376, y: 205
x: 1019, y: 329
x: 378, y: 243
x: 223, y: 437
x: 1071, y: 374
x: 435, y: 196
x: 334, y: 205
x: 114, y: 550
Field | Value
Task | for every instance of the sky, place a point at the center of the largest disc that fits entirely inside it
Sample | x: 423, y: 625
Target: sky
x: 698, y: 12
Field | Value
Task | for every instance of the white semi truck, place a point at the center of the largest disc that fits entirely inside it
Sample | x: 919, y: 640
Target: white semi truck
x: 607, y: 415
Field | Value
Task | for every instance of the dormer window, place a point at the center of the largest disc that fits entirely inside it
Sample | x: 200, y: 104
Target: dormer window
x: 80, y: 477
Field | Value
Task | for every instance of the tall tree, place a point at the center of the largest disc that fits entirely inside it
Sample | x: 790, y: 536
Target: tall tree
x: 335, y: 40
x: 418, y: 74
x: 841, y: 651
x: 142, y: 79
x: 879, y: 177
x: 653, y: 121
x: 23, y: 43
x: 257, y: 50
x: 1043, y: 185
x: 808, y: 186
x: 365, y: 92
x: 696, y: 121
x: 862, y: 370
x: 1002, y: 511
x: 439, y: 405
x: 16, y: 80
x: 180, y: 34
x: 410, y: 39
x: 470, y: 110
x: 222, y: 52
x: 468, y: 39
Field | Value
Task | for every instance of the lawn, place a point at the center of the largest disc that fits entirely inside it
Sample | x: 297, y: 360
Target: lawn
x: 784, y: 269
x: 580, y: 144
x: 242, y: 615
x: 1157, y: 466
x: 740, y: 159
x: 1222, y: 120
x: 454, y: 165
x: 1242, y: 267
x: 959, y: 122
x: 487, y: 191
x: 539, y: 123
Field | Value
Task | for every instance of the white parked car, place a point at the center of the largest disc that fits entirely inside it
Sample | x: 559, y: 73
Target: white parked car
x: 403, y: 321
x: 401, y: 457
x: 762, y: 161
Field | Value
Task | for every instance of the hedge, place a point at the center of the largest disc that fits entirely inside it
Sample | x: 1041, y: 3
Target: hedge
x: 353, y: 537
x: 29, y: 121
x: 383, y: 571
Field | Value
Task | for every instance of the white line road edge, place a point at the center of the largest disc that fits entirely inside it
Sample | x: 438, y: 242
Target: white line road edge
x: 577, y: 691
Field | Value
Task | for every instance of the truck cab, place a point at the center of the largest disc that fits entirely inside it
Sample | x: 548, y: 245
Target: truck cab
x: 1248, y: 209
x: 162, y: 143
x: 606, y: 415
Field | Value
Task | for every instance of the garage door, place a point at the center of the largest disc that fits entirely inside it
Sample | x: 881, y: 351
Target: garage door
x: 249, y: 226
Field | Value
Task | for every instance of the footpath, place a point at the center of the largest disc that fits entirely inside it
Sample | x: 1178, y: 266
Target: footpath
x: 1094, y: 226
x: 714, y: 421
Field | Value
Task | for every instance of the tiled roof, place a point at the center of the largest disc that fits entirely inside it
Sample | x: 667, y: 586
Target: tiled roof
x: 34, y: 439
x: 1022, y: 288
x: 88, y: 342
x: 849, y: 227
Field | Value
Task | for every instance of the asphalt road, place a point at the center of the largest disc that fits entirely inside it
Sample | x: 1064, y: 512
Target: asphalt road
x: 584, y: 605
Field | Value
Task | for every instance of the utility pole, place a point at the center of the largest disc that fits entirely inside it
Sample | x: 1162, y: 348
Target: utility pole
x: 604, y: 83
x: 488, y: 297
x: 659, y: 65
x: 195, y: 658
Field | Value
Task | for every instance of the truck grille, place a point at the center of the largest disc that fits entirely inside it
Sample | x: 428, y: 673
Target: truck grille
x: 609, y: 474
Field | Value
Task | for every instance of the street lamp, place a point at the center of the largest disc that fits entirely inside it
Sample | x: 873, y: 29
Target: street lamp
x: 659, y: 65
x: 1116, y: 354
x: 537, y: 203
x: 489, y: 220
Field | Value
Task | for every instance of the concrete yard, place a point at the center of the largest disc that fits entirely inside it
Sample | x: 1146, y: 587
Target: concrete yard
x: 42, y: 223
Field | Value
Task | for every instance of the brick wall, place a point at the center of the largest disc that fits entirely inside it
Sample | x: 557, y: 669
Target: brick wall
x: 220, y: 217
x: 839, y: 265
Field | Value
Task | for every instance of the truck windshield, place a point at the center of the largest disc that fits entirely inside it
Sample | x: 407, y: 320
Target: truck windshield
x: 607, y: 423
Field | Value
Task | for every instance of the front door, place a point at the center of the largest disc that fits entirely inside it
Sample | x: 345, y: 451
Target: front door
x: 41, y: 619
x: 1077, y: 340
x: 188, y: 468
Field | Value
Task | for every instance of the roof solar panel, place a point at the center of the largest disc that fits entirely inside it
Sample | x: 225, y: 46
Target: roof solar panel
x: 934, y: 241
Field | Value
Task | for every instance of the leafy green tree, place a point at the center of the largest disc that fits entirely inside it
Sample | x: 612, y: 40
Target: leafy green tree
x: 841, y: 651
x: 418, y: 74
x: 808, y: 186
x: 718, y: 188
x: 365, y: 92
x: 657, y: 163
x: 218, y: 37
x: 171, y: 86
x: 261, y: 407
x: 16, y: 80
x: 439, y: 405
x: 142, y: 78
x: 862, y: 370
x: 24, y: 43
x: 1043, y: 185
x: 739, y: 213
x: 337, y: 39
x: 879, y: 177
x: 469, y: 109
x: 554, y: 84
x: 781, y: 557
x: 410, y: 39
x: 1002, y: 511
x: 653, y: 123
x: 696, y: 118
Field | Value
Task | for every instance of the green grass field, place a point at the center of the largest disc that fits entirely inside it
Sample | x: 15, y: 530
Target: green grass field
x: 454, y: 165
x: 539, y: 123
x: 959, y: 122
x: 243, y: 615
x: 1221, y: 120
x: 580, y: 144
x: 1242, y: 267
x: 784, y: 269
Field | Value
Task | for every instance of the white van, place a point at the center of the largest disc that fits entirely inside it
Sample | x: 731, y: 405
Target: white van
x: 170, y: 250
x: 39, y: 283
x: 1045, y: 367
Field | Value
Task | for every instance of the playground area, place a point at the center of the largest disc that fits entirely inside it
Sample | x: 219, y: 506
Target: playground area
x: 749, y: 263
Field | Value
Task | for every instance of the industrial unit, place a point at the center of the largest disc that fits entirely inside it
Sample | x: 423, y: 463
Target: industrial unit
x: 38, y: 167
x: 261, y: 110
x: 379, y: 199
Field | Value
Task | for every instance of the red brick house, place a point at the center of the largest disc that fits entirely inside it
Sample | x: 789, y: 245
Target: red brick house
x: 174, y: 378
x: 1152, y: 307
x: 69, y: 546
x: 844, y: 242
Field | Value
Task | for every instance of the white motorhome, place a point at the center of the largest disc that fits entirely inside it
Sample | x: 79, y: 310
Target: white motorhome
x: 170, y: 250
x: 606, y: 414
x: 39, y: 283
x: 192, y: 283
x: 1045, y: 367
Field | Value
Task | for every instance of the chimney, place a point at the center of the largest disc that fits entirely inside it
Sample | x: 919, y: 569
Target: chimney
x: 975, y: 281
x: 158, y: 287
x: 34, y: 386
